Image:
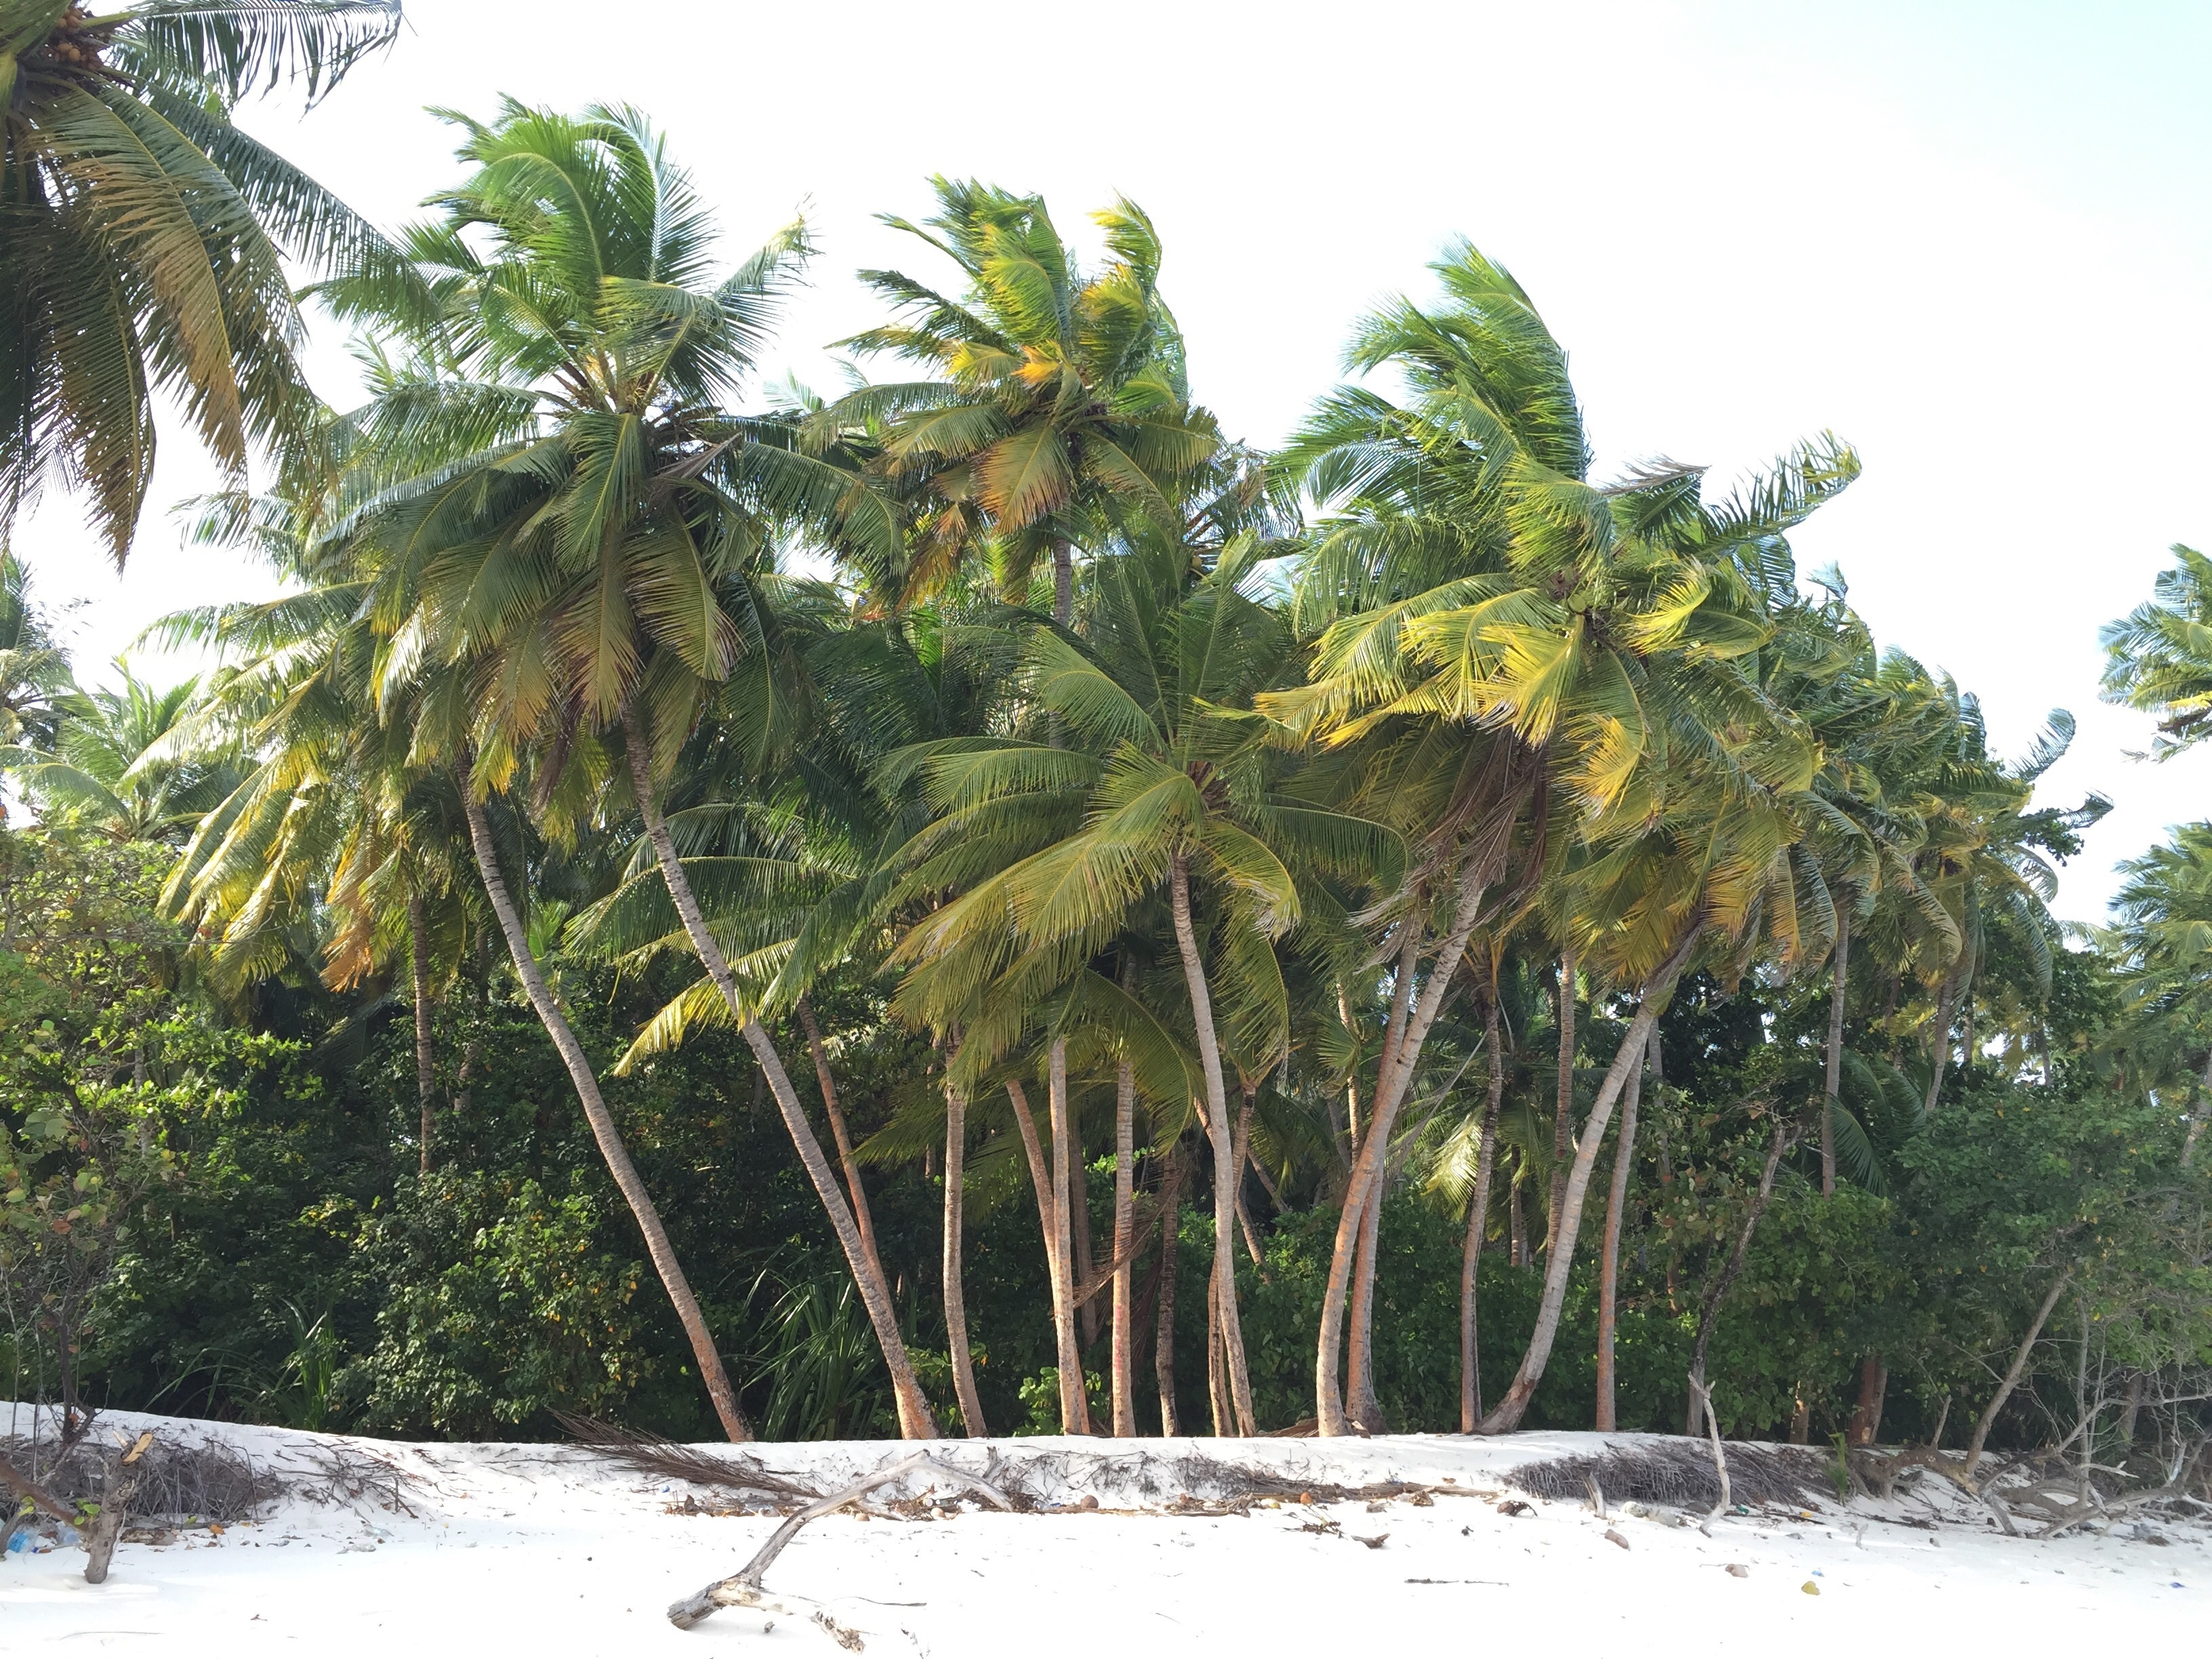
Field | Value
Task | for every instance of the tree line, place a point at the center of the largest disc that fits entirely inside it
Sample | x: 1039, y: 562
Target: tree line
x: 1433, y: 935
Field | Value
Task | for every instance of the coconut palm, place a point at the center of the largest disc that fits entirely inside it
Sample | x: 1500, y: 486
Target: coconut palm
x: 1063, y: 408
x: 2159, y: 656
x: 2162, y: 936
x: 1502, y: 639
x: 34, y: 670
x: 117, y: 766
x: 145, y: 235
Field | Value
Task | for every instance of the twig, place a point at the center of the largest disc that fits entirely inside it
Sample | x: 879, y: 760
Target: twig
x: 1720, y: 1460
x: 742, y: 1588
x: 1598, y: 1494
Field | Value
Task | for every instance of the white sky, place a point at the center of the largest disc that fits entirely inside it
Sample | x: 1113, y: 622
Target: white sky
x: 1971, y: 239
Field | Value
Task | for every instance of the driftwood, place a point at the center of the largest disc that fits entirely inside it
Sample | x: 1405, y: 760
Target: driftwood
x: 1720, y: 1459
x: 743, y: 1589
x: 667, y: 1459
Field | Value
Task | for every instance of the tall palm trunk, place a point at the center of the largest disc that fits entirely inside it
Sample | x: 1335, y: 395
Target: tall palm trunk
x: 1838, y: 982
x: 1125, y: 1222
x: 1072, y: 1405
x: 1367, y: 1170
x: 1074, y: 1401
x: 1608, y: 1270
x: 1477, y: 1222
x: 1224, y: 1149
x: 915, y: 1422
x: 955, y: 1292
x: 862, y: 1217
x: 1171, y: 1257
x: 425, y: 1067
x: 1563, y: 1122
x: 657, y: 1247
x: 1940, y: 1056
x: 1506, y: 1415
x: 1361, y: 1403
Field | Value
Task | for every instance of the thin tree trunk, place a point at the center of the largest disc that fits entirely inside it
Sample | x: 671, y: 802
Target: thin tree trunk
x: 1074, y: 1403
x: 1839, y: 982
x: 915, y: 1422
x: 1063, y: 582
x: 862, y: 1216
x: 1716, y: 1292
x: 1506, y: 1415
x: 1090, y: 1310
x: 426, y: 1065
x: 1171, y: 1257
x: 1989, y: 1416
x: 586, y: 1085
x: 1360, y: 1403
x: 1478, y: 1220
x: 1244, y: 1161
x: 1941, y: 1046
x: 1055, y: 1261
x: 1608, y: 1265
x: 1563, y: 1122
x: 1124, y: 1162
x: 1516, y: 1235
x: 955, y: 1293
x: 1224, y: 1136
x: 1365, y: 1185
x: 1221, y: 1408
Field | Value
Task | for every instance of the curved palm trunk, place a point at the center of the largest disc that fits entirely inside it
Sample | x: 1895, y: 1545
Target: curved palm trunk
x: 1072, y: 1405
x: 1842, y: 970
x: 915, y: 1422
x: 862, y: 1217
x: 1365, y: 1185
x: 955, y: 1294
x: 1125, y: 1161
x: 1224, y: 1149
x: 1478, y: 1223
x: 1361, y: 1403
x: 1507, y: 1415
x: 1941, y: 1058
x: 610, y: 1139
x: 1609, y: 1271
x: 426, y: 1068
x: 1563, y: 1120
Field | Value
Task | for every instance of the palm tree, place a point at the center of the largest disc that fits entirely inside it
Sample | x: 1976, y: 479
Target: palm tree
x: 2159, y: 656
x: 34, y: 671
x: 1165, y: 782
x: 123, y: 764
x: 1062, y: 409
x: 2161, y: 937
x: 1500, y: 638
x: 141, y: 251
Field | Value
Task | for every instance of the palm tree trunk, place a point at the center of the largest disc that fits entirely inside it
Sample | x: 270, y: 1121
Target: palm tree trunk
x: 657, y: 1247
x: 955, y: 1292
x: 425, y: 1067
x: 1840, y: 980
x: 1940, y: 1056
x: 1170, y: 1256
x: 1865, y: 1426
x: 1074, y: 1404
x: 1056, y: 1260
x: 1717, y: 1290
x: 1245, y: 1162
x: 1063, y: 582
x: 1125, y: 1222
x: 1224, y: 1137
x: 1506, y: 1415
x: 915, y: 1422
x: 1366, y: 1184
x: 862, y: 1217
x: 1563, y: 1121
x: 1516, y: 1237
x: 1361, y: 1404
x: 1478, y: 1221
x: 1608, y: 1266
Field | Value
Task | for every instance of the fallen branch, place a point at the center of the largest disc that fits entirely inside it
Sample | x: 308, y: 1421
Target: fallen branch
x: 1720, y: 1460
x: 25, y: 1487
x: 742, y: 1588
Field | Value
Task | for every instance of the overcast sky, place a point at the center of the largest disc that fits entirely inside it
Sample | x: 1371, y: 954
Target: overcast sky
x: 1971, y: 238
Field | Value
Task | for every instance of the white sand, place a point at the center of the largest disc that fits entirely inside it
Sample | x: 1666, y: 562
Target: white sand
x: 537, y: 1549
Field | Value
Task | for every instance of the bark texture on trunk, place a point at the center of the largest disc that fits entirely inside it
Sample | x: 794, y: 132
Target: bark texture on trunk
x: 827, y: 1082
x: 1399, y: 1059
x: 955, y: 1292
x: 1125, y: 1219
x: 1874, y: 1386
x: 915, y: 1421
x: 426, y: 1066
x: 1056, y: 1259
x: 1478, y: 1221
x: 1563, y: 1123
x: 1074, y: 1403
x: 1171, y: 1257
x: 586, y: 1083
x: 1608, y: 1265
x: 1506, y: 1415
x: 1360, y: 1403
x: 1940, y: 1055
x: 1223, y: 1133
x: 1839, y: 981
